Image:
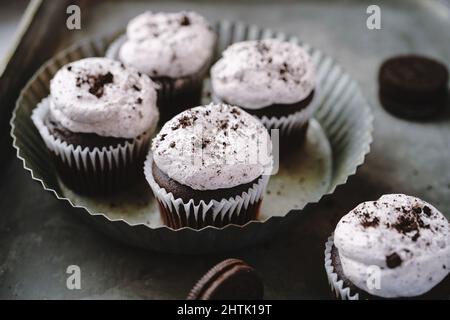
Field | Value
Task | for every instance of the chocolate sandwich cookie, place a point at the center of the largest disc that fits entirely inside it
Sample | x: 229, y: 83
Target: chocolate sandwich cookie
x: 209, y: 166
x: 96, y: 123
x: 231, y: 279
x: 412, y: 86
x: 397, y: 247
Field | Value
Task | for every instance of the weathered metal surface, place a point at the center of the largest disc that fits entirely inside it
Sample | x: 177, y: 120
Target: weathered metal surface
x: 40, y: 236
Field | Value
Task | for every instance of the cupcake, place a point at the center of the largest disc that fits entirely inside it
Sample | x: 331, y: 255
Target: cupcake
x: 270, y: 79
x: 397, y: 247
x: 209, y: 165
x: 97, y: 123
x: 175, y: 50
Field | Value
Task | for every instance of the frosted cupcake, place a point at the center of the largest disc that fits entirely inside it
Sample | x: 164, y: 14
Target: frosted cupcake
x: 175, y: 50
x: 270, y: 79
x: 209, y: 165
x: 397, y: 247
x: 97, y: 123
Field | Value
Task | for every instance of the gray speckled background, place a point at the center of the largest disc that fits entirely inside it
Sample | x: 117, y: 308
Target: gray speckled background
x: 40, y: 237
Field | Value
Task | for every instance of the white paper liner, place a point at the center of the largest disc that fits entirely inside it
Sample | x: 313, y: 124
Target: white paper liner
x: 83, y: 159
x: 223, y: 208
x: 337, y: 285
x: 291, y: 122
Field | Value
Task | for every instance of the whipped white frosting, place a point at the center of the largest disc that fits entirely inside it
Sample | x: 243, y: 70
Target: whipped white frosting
x: 406, y: 239
x: 213, y: 147
x: 257, y: 74
x: 168, y: 44
x: 100, y: 95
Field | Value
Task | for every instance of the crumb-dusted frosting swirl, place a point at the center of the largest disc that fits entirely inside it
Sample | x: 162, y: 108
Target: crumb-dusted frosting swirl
x: 258, y: 73
x: 213, y: 147
x: 405, y: 238
x: 168, y: 44
x: 102, y: 96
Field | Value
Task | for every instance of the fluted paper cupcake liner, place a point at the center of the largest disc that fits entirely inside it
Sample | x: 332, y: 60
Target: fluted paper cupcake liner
x: 292, y: 122
x: 174, y: 95
x: 234, y: 210
x: 112, y: 51
x: 337, y: 285
x: 92, y: 170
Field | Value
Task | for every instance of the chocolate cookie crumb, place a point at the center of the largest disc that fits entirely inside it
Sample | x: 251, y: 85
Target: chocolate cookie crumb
x: 96, y: 83
x: 393, y: 261
x: 427, y: 211
x: 406, y: 224
x: 367, y: 222
x: 185, y: 21
x: 417, y: 210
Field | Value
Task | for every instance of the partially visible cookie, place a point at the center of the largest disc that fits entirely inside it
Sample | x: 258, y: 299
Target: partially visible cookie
x: 231, y: 279
x: 412, y: 86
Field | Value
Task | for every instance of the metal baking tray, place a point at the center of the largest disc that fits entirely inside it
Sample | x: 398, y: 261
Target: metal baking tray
x: 41, y: 236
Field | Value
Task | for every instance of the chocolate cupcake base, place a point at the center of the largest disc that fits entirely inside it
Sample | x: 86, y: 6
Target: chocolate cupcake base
x: 177, y: 95
x: 91, y: 169
x: 282, y: 110
x: 92, y: 179
x: 178, y: 213
x: 291, y: 120
x: 186, y: 193
x: 344, y: 289
x: 292, y: 124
